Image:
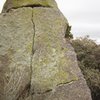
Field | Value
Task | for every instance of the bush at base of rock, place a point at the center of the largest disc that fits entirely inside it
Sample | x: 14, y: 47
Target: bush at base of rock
x: 88, y: 54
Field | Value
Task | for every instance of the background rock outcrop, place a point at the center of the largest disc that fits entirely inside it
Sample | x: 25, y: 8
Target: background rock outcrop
x: 36, y: 60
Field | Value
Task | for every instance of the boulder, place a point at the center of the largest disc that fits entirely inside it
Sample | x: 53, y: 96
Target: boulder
x: 29, y: 3
x: 37, y: 62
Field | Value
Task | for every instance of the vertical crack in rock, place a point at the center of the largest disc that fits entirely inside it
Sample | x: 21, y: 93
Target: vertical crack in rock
x: 32, y: 53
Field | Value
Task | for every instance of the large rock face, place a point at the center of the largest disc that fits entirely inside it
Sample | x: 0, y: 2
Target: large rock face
x: 36, y: 61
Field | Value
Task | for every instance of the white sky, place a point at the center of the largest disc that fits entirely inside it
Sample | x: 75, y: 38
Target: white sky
x: 83, y: 15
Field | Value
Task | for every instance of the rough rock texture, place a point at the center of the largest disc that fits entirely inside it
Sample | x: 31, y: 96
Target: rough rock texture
x: 36, y: 61
x: 16, y: 37
x: 33, y: 3
x: 51, y: 65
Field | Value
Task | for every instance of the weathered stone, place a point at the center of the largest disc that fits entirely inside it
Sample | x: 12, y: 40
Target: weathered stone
x: 36, y: 61
x: 51, y: 66
x: 16, y: 37
x: 30, y: 3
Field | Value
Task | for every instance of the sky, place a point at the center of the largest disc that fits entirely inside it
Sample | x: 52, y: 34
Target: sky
x: 82, y: 15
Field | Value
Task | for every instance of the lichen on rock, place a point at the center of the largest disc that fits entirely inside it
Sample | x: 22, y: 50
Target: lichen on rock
x: 36, y: 61
x: 11, y: 4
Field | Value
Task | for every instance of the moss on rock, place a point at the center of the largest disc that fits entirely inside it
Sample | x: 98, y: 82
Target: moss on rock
x: 29, y: 3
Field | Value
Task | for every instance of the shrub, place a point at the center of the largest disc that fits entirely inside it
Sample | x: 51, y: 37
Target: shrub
x: 88, y: 54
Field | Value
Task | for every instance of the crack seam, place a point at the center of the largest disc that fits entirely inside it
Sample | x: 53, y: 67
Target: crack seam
x: 32, y: 53
x: 57, y: 86
x: 31, y: 6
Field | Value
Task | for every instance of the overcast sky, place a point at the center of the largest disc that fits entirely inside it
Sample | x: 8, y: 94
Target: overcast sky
x: 83, y: 15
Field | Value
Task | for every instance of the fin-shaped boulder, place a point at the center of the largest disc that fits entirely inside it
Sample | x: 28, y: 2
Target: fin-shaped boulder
x: 37, y: 62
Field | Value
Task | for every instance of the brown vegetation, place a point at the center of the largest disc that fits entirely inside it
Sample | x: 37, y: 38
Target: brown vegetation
x: 88, y: 54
